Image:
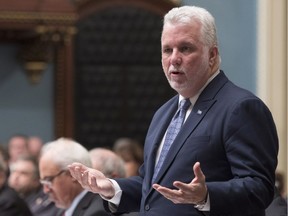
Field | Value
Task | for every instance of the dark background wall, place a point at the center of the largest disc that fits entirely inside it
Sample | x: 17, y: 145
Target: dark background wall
x: 119, y: 80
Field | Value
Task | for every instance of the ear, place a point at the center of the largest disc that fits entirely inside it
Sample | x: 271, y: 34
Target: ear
x: 213, y: 55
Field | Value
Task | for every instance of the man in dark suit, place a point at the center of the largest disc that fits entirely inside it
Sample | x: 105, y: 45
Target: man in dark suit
x: 223, y: 159
x: 11, y: 204
x: 61, y: 187
x: 24, y: 179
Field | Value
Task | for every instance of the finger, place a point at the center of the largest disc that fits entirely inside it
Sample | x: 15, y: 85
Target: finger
x: 77, y: 169
x: 79, y: 166
x: 199, y: 176
x: 181, y: 186
x: 93, y: 184
x: 175, y: 196
x: 167, y: 192
x: 72, y: 168
x: 155, y: 186
x: 73, y: 165
x: 75, y: 172
x: 84, y: 180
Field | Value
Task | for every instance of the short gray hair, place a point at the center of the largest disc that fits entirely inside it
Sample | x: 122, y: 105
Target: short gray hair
x: 188, y: 14
x: 65, y: 151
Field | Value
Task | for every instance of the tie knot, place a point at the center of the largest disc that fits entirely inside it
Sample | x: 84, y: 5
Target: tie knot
x: 185, y: 104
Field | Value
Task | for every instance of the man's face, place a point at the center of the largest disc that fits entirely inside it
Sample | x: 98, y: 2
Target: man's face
x: 59, y: 184
x: 23, y: 177
x: 185, y: 59
x: 17, y: 146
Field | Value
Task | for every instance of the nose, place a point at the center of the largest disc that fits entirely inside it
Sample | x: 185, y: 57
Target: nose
x: 46, y: 188
x: 176, y: 58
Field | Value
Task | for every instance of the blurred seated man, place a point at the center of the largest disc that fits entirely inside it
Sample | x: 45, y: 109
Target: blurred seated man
x: 10, y: 202
x: 34, y: 146
x: 278, y: 207
x: 24, y: 178
x: 110, y: 164
x: 65, y: 191
x: 5, y: 156
x: 131, y: 152
x: 280, y: 184
x: 107, y: 162
x: 17, y: 146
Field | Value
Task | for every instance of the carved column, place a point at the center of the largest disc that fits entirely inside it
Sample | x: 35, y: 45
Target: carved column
x: 64, y: 85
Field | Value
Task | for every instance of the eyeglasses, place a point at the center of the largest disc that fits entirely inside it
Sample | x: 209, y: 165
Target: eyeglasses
x: 48, y: 180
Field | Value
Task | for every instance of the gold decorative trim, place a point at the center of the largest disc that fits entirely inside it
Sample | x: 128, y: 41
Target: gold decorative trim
x: 177, y: 2
x: 79, y: 2
x: 37, y: 16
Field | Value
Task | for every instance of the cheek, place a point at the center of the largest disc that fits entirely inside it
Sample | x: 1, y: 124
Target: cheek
x: 63, y: 189
x: 165, y: 69
x: 59, y: 194
x: 197, y: 62
x: 164, y: 62
x: 27, y: 181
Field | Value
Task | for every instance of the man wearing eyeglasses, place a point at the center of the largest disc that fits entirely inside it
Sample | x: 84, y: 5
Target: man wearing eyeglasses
x: 62, y: 188
x: 24, y: 178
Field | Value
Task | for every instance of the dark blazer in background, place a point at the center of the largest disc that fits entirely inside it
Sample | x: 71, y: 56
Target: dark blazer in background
x: 11, y: 204
x: 278, y: 207
x: 232, y: 134
x: 90, y: 205
x: 40, y: 204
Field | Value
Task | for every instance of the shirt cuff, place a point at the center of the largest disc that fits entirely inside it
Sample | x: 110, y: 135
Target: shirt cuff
x: 118, y: 193
x: 205, y: 206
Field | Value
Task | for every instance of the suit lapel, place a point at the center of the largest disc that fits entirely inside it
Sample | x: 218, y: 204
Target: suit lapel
x: 205, y: 101
x: 83, y: 204
x: 195, y: 117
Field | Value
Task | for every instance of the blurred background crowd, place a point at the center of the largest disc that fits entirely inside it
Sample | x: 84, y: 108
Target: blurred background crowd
x: 23, y: 192
x: 27, y: 189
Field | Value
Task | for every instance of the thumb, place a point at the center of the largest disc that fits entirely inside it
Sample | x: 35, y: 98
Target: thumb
x: 199, y: 176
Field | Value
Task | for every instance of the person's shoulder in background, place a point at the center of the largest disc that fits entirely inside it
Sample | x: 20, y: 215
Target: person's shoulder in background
x: 11, y: 204
x: 278, y: 207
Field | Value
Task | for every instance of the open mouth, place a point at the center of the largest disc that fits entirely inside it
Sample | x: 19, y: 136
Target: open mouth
x: 176, y: 73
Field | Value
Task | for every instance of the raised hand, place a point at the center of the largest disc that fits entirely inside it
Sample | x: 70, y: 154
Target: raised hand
x: 92, y: 180
x: 194, y: 192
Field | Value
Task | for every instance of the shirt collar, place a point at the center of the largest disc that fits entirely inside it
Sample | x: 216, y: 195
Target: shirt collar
x: 75, y: 202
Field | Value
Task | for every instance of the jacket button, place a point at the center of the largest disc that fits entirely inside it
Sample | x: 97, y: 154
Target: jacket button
x: 147, y: 207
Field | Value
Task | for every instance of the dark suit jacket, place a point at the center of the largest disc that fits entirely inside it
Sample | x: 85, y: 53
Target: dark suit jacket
x: 11, y: 204
x: 40, y: 204
x: 90, y: 205
x: 232, y: 134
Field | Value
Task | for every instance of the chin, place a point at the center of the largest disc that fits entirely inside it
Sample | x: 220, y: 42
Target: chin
x: 180, y: 88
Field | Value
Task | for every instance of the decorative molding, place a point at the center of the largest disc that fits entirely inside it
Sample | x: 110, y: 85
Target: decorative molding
x: 272, y: 73
x: 13, y: 17
x: 86, y: 7
x: 82, y: 2
x: 47, y: 33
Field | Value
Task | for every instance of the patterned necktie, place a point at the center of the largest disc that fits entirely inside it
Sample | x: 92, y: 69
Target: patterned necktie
x: 172, y: 132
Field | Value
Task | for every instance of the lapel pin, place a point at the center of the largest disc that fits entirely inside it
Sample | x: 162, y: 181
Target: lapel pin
x: 199, y: 112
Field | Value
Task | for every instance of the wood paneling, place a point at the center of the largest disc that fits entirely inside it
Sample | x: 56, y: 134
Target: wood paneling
x: 56, y: 22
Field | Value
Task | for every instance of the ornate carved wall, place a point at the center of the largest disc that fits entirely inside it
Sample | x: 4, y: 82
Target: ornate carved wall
x: 45, y: 30
x: 119, y: 82
x: 108, y: 76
